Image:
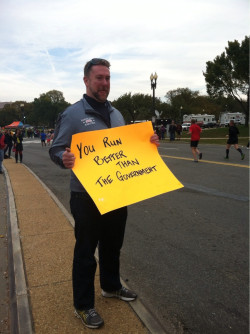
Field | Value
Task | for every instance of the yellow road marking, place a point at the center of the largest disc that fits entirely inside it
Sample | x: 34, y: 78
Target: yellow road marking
x: 207, y: 161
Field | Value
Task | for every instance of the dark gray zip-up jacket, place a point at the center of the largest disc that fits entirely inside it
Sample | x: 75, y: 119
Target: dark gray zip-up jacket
x: 79, y: 117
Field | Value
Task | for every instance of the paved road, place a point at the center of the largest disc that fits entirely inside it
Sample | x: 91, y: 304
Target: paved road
x: 185, y: 252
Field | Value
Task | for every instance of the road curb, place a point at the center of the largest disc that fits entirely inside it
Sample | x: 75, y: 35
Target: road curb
x: 24, y: 322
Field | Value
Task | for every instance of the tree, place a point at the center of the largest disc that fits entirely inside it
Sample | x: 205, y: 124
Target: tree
x: 47, y: 107
x: 181, y: 101
x: 136, y: 107
x: 14, y: 111
x: 228, y: 74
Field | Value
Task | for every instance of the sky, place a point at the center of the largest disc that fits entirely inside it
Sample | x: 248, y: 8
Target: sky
x: 44, y: 44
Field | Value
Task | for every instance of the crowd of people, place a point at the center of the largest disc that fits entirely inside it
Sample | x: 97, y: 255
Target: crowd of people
x: 12, y: 141
x: 174, y: 131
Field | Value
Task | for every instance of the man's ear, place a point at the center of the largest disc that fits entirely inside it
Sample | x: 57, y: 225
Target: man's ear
x: 85, y: 80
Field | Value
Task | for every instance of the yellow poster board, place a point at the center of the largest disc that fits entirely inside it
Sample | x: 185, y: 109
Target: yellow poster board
x: 120, y: 166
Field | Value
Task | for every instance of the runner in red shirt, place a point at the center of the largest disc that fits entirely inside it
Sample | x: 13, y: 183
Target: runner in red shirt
x: 195, y: 132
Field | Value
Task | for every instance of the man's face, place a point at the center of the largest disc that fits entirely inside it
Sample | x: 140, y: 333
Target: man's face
x: 98, y: 83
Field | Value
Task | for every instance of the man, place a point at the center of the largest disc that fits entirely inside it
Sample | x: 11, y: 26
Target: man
x: 2, y: 148
x: 91, y: 113
x: 43, y: 138
x: 233, y: 140
x: 9, y: 143
x: 172, y: 129
x: 162, y: 132
x: 178, y: 131
x: 195, y: 131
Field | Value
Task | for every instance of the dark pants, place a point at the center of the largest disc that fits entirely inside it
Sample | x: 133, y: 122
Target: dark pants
x: 20, y: 155
x: 172, y: 135
x: 92, y: 229
x: 8, y: 149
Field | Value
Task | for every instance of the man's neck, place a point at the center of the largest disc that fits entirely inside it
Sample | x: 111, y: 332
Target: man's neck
x: 93, y: 100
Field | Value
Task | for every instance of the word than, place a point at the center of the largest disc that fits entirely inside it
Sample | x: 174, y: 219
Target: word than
x: 123, y: 177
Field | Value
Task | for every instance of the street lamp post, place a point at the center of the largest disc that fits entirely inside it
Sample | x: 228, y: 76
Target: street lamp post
x: 181, y: 108
x: 22, y: 109
x: 153, y: 78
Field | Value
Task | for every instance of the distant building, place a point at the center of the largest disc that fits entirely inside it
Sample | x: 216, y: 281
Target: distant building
x: 226, y: 117
x: 2, y: 104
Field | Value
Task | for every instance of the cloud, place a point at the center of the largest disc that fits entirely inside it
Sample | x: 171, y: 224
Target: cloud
x: 45, y: 44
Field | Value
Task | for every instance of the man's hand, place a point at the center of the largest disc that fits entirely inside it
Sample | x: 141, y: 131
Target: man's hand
x: 155, y: 139
x: 68, y: 158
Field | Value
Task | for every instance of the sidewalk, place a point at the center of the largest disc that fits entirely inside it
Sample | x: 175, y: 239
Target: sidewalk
x: 43, y: 242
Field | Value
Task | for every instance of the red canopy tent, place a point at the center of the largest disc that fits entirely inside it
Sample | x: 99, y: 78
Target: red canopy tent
x: 14, y: 125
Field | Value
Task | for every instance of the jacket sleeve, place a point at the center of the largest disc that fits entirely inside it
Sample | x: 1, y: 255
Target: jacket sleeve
x: 62, y: 138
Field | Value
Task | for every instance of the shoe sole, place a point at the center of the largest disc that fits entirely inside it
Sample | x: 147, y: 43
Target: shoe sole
x: 111, y: 295
x: 84, y: 323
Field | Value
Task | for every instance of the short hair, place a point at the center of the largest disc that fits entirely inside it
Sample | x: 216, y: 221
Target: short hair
x: 95, y: 61
x: 193, y: 121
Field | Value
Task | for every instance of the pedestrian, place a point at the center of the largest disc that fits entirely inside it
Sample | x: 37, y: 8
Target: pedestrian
x: 48, y: 138
x: 18, y: 145
x: 43, y: 138
x: 178, y: 131
x: 172, y: 130
x: 233, y: 140
x: 195, y: 131
x: 9, y: 144
x: 162, y: 132
x: 92, y: 112
x: 2, y: 147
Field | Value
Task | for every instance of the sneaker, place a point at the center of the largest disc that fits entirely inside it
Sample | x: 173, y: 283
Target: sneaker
x: 123, y: 294
x: 90, y: 318
x: 200, y: 156
x: 242, y: 156
x: 195, y: 160
x: 226, y: 158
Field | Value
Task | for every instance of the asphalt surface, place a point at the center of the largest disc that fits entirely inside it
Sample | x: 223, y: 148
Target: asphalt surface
x: 185, y: 252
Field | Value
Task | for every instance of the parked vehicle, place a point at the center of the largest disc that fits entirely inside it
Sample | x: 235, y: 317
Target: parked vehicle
x: 226, y: 117
x: 203, y: 120
x: 186, y: 126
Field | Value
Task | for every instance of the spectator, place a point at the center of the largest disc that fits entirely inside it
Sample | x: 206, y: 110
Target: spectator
x: 18, y: 145
x: 2, y: 147
x: 172, y: 130
x: 9, y: 144
x: 162, y: 131
x: 179, y: 131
